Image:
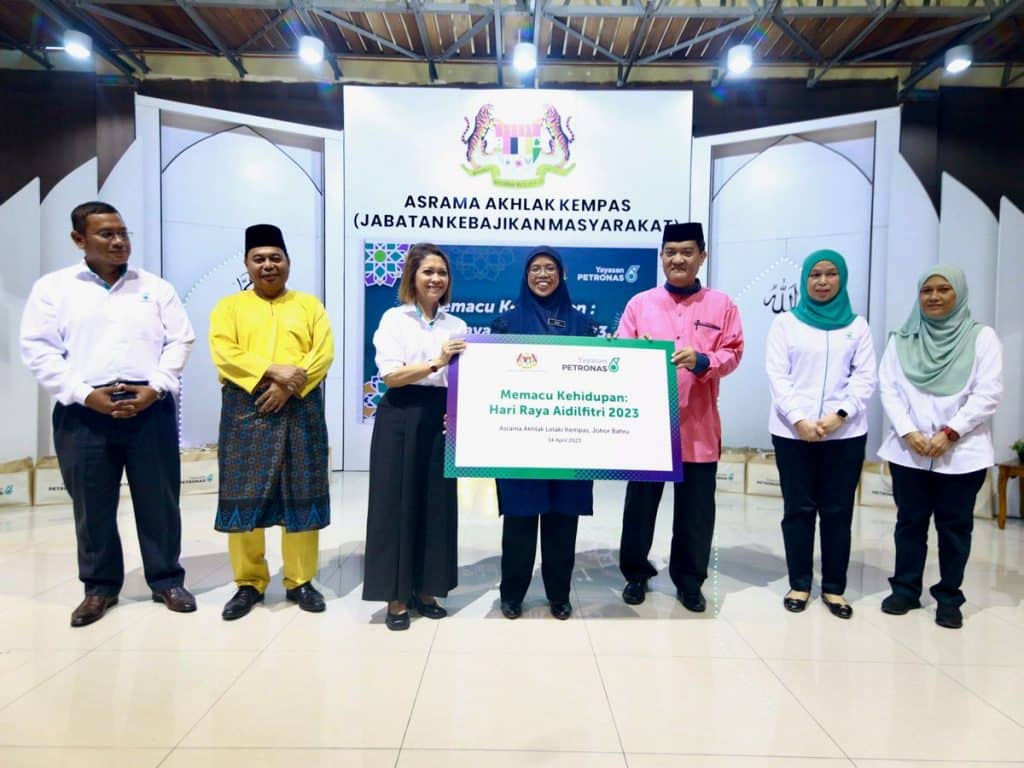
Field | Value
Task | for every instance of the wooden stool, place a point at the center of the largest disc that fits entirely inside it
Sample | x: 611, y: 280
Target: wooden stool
x: 1007, y: 470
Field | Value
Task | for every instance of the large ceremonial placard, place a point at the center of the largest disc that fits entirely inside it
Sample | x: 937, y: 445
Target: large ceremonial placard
x: 560, y: 407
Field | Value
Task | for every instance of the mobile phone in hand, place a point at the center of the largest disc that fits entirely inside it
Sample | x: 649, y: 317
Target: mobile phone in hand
x: 122, y: 394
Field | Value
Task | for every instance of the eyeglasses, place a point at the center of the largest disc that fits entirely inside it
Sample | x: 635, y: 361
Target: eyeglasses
x: 109, y: 235
x: 543, y: 269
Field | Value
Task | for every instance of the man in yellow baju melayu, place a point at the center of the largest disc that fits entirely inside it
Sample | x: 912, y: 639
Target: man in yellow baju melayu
x: 272, y: 347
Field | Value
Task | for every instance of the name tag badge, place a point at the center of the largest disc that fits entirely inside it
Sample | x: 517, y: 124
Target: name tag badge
x: 556, y: 323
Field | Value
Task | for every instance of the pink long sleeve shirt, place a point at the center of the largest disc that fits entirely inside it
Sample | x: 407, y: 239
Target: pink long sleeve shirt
x: 709, y: 322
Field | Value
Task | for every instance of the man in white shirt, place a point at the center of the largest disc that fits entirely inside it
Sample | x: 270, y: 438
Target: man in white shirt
x: 109, y: 342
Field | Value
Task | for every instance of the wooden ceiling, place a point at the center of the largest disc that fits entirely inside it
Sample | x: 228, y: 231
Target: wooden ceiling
x: 825, y: 36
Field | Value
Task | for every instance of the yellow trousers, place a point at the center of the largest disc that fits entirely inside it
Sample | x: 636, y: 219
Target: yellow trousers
x: 298, y: 550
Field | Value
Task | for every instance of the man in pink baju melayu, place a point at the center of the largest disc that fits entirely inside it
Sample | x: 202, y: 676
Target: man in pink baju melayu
x: 705, y: 326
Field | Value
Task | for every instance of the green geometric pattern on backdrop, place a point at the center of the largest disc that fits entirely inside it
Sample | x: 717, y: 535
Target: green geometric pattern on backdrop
x: 383, y: 263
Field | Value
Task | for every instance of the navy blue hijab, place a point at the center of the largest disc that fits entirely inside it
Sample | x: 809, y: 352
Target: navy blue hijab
x: 552, y: 314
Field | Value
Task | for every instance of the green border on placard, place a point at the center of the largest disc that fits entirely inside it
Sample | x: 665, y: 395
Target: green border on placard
x: 569, y: 473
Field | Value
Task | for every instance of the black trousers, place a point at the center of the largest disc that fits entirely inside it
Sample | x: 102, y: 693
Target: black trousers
x: 93, y: 450
x: 920, y: 494
x: 412, y: 511
x: 693, y: 526
x: 818, y: 480
x: 519, y: 550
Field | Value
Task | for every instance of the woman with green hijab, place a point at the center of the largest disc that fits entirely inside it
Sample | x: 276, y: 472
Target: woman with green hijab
x: 941, y: 381
x: 821, y: 371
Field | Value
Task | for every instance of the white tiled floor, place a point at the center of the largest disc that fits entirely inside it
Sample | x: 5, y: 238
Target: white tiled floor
x: 651, y: 686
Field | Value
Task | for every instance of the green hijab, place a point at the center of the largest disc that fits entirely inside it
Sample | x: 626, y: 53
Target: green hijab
x: 937, y: 355
x: 824, y: 315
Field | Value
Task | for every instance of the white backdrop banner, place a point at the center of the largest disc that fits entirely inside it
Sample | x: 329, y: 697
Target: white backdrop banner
x: 492, y: 173
x: 529, y: 166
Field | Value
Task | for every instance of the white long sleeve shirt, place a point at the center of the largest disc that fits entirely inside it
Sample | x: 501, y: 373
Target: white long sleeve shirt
x: 813, y: 373
x: 967, y: 412
x: 76, y: 333
x: 405, y: 338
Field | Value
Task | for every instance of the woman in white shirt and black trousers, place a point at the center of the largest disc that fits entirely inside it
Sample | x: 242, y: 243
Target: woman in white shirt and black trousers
x: 412, y: 519
x: 821, y: 371
x: 941, y: 380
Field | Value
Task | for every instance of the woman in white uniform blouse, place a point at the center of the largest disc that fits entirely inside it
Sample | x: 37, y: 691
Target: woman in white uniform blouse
x: 821, y: 371
x: 940, y: 381
x: 412, y: 513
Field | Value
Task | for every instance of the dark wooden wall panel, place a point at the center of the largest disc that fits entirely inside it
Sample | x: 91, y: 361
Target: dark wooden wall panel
x: 919, y: 143
x: 115, y: 125
x: 981, y: 141
x: 316, y: 104
x: 48, y: 128
x: 974, y: 134
x: 760, y: 103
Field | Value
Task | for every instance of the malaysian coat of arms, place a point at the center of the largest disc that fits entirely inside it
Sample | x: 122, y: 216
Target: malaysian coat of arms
x: 518, y: 154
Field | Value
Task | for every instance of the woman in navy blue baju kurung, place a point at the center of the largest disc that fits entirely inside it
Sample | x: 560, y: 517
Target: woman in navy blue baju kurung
x: 553, y: 506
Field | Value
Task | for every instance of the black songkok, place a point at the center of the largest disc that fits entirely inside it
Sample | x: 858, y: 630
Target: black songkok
x: 680, y: 233
x: 264, y: 236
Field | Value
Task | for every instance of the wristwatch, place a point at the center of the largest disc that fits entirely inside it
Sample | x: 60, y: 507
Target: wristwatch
x: 842, y: 414
x: 433, y: 368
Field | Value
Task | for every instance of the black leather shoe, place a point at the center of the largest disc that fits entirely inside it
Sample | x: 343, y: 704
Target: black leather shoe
x: 91, y: 609
x: 308, y: 598
x: 241, y: 603
x: 693, y: 601
x: 634, y: 593
x: 429, y: 610
x: 948, y: 616
x: 561, y: 611
x: 511, y: 609
x: 397, y: 621
x: 898, y: 605
x: 840, y: 610
x: 177, y: 599
x: 794, y: 604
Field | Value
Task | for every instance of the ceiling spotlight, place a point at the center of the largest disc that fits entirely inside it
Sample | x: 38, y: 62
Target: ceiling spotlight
x: 740, y: 58
x: 311, y: 49
x: 524, y: 57
x: 958, y: 58
x: 77, y: 44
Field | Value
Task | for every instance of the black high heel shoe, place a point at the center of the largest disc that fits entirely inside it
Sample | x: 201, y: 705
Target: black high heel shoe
x: 428, y: 610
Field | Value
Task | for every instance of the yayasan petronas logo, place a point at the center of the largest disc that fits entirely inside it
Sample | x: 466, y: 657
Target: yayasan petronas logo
x: 526, y: 360
x: 518, y: 154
